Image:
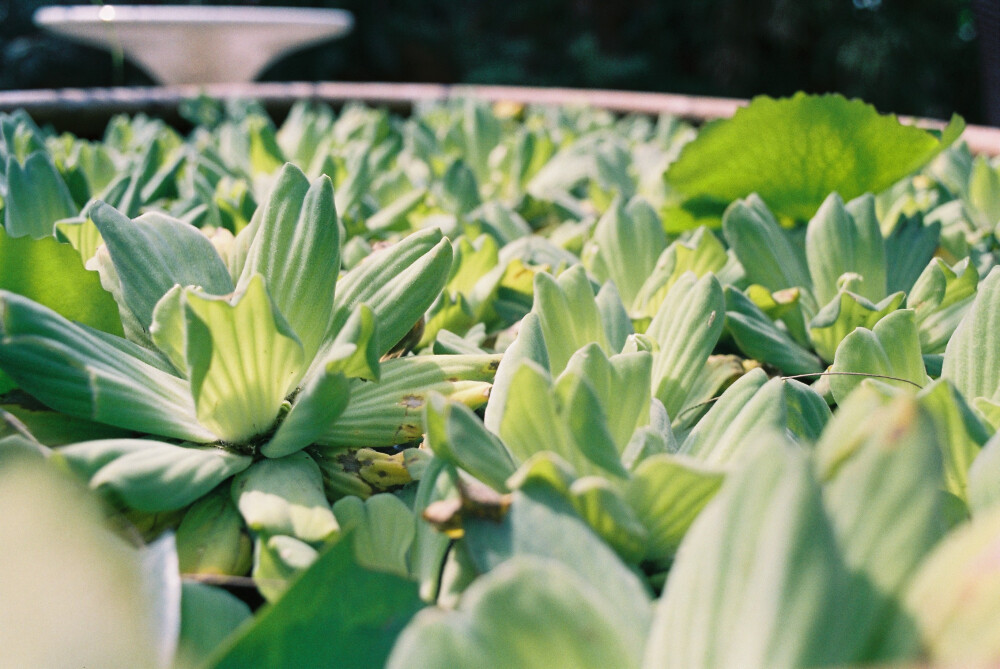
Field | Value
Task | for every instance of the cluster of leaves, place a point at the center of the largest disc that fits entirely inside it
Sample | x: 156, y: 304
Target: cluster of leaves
x: 488, y: 386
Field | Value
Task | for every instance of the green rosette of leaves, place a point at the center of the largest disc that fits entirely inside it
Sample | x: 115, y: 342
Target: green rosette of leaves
x: 800, y: 303
x: 242, y: 369
x: 584, y: 406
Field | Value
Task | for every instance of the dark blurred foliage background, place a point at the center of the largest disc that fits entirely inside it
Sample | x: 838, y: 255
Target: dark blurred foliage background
x: 911, y: 57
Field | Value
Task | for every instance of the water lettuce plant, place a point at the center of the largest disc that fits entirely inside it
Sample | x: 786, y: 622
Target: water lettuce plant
x: 503, y: 385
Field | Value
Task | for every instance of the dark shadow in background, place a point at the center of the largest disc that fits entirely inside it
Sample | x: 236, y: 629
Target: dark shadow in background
x: 911, y: 57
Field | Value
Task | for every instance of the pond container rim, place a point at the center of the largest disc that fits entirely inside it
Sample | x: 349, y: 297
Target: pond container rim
x: 86, y: 111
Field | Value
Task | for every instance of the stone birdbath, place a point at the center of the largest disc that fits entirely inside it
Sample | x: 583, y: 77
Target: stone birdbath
x: 198, y: 44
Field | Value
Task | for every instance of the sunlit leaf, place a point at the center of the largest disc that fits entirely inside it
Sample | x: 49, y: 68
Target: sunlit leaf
x: 285, y: 496
x: 296, y: 249
x: 795, y: 151
x: 243, y: 361
x: 52, y: 274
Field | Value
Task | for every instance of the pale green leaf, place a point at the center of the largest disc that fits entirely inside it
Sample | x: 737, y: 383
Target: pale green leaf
x: 208, y: 616
x: 529, y: 613
x: 529, y: 345
x: 984, y: 477
x: 940, y: 298
x: 212, y: 538
x: 532, y: 423
x: 972, y: 359
x: 320, y: 402
x: 760, y: 338
x: 389, y: 411
x: 617, y: 324
x: 154, y: 252
x: 568, y: 315
x: 70, y: 584
x: 890, y: 351
x: 457, y: 435
x: 243, y: 361
x: 750, y: 407
x: 73, y: 370
x: 843, y: 315
x: 686, y: 329
x: 538, y: 513
x: 908, y: 249
x: 602, y: 505
x: 624, y: 250
x: 285, y: 496
x: 81, y: 234
x: 700, y: 253
x: 758, y: 581
x: 35, y: 197
x: 398, y: 284
x: 296, y: 249
x: 886, y: 517
x: 587, y: 419
x: 766, y: 252
x: 621, y: 385
x: 807, y: 411
x: 150, y: 475
x: 278, y: 561
x: 382, y: 529
x: 960, y: 433
x: 667, y: 492
x: 838, y: 243
x: 955, y: 595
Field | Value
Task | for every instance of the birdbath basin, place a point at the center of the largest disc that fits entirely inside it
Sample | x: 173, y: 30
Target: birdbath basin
x: 197, y: 45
